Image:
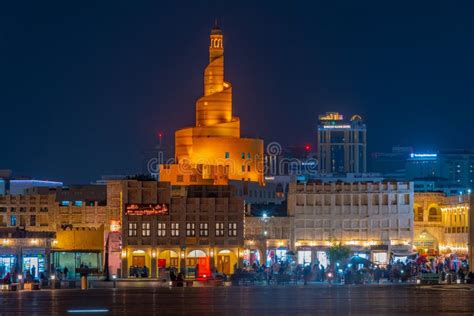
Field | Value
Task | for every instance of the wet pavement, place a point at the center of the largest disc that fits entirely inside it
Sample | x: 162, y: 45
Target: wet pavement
x: 250, y: 300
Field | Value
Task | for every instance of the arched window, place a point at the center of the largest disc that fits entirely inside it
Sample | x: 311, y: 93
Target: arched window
x: 434, y: 215
x: 418, y: 214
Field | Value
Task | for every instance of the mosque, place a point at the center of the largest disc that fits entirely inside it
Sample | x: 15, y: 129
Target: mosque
x: 212, y: 152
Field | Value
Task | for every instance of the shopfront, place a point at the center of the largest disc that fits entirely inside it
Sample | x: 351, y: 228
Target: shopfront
x: 25, y: 253
x: 7, y: 264
x: 73, y: 260
x: 77, y: 249
x: 252, y: 256
x: 312, y: 255
x: 34, y: 261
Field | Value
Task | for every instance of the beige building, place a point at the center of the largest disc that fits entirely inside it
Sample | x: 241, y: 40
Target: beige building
x: 441, y: 223
x: 61, y: 212
x: 31, y: 212
x: 374, y: 218
x: 267, y: 239
x: 179, y: 227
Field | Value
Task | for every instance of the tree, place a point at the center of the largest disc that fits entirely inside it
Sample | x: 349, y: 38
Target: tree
x: 338, y: 253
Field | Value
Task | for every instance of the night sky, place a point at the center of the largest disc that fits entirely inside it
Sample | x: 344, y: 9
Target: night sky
x: 87, y: 85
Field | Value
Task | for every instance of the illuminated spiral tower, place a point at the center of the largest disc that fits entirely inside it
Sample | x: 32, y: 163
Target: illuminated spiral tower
x: 213, y: 146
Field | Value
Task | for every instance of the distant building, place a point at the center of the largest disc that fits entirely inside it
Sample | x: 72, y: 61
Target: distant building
x: 341, y: 145
x: 450, y: 171
x: 457, y: 166
x: 423, y: 165
x: 392, y: 164
x: 18, y: 186
x: 290, y: 161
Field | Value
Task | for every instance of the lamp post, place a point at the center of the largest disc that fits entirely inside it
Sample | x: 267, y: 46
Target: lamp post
x: 114, y: 278
x: 20, y: 281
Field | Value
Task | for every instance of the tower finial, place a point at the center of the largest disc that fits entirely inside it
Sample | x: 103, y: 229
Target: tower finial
x: 216, y: 29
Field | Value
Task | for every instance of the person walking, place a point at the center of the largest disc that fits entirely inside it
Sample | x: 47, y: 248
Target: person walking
x: 306, y: 274
x: 33, y: 272
x: 65, y: 271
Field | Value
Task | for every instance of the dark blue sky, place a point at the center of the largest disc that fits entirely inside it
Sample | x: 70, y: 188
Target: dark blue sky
x: 86, y: 85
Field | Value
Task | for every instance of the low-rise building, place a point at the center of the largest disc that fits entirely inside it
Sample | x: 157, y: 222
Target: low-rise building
x: 441, y: 223
x: 23, y: 252
x: 374, y: 218
x: 187, y: 228
x: 267, y: 239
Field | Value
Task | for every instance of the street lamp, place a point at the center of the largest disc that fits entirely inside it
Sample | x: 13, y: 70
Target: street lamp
x: 114, y: 278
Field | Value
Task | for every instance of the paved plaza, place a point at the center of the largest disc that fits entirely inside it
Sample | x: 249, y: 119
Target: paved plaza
x: 144, y: 299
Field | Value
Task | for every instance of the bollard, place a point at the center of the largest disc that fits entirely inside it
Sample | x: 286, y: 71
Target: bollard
x: 83, y: 282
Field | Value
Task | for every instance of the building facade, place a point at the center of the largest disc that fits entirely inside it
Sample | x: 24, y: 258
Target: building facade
x: 341, y: 145
x: 374, y: 218
x: 62, y: 213
x: 441, y: 223
x: 194, y: 229
x: 268, y: 239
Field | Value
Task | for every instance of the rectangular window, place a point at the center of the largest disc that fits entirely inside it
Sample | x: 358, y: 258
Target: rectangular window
x: 32, y: 220
x: 190, y: 230
x: 132, y: 229
x: 219, y: 229
x: 248, y: 155
x: 146, y: 231
x: 161, y: 230
x: 179, y: 178
x: 65, y: 203
x: 193, y: 178
x: 77, y: 203
x: 227, y: 155
x: 232, y: 229
x: 243, y: 155
x: 243, y: 168
x: 203, y: 229
x: 175, y: 229
x: 13, y: 220
x: 248, y: 168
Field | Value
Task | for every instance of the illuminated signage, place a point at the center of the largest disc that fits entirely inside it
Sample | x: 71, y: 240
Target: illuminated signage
x: 423, y: 155
x: 336, y: 126
x: 146, y: 209
x: 331, y: 116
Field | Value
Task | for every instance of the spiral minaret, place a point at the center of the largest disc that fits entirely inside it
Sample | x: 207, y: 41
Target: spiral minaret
x: 213, y: 146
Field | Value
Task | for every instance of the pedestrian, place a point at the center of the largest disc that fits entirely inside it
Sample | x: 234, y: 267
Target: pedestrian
x: 306, y: 274
x: 66, y: 271
x: 33, y: 271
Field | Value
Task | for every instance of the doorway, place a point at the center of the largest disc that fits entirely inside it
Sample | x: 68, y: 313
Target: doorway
x: 138, y: 261
x: 223, y: 264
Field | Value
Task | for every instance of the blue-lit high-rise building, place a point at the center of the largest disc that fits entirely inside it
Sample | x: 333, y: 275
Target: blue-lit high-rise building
x: 341, y: 145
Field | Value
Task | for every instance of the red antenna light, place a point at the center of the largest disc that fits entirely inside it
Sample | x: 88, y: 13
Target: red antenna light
x: 307, y: 147
x: 160, y: 136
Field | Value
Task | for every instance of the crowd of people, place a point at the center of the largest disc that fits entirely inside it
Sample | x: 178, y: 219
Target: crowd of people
x: 357, y: 271
x: 138, y: 271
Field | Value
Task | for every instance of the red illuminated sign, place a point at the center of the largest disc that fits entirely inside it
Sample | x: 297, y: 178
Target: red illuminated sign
x: 146, y: 209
